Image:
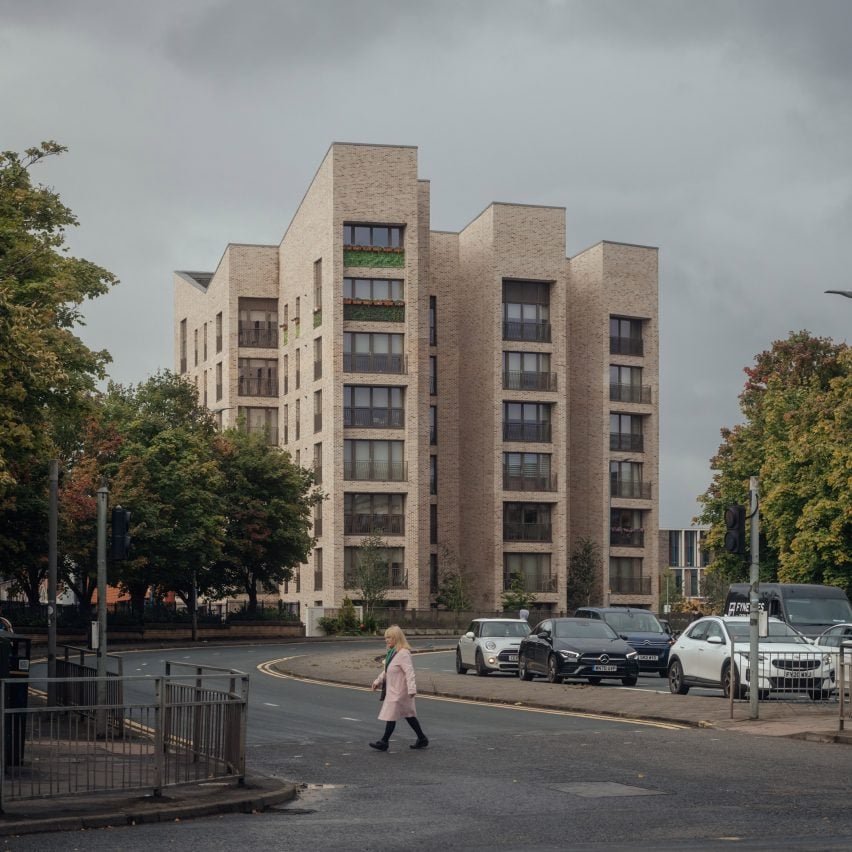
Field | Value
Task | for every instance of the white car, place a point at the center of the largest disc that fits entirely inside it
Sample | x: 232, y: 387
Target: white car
x: 491, y: 645
x: 787, y: 662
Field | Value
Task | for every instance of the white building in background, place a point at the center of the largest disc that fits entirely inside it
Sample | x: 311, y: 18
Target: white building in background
x: 683, y: 552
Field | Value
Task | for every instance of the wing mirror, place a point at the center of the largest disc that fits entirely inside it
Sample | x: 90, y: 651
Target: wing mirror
x: 469, y: 635
x: 544, y: 635
x: 715, y: 640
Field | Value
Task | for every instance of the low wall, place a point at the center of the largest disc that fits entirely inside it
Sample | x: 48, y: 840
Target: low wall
x: 175, y: 632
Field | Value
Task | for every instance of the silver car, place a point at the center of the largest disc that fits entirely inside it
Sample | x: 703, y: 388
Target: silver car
x: 491, y: 645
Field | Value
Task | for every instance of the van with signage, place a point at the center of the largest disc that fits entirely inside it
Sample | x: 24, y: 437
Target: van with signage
x: 808, y: 608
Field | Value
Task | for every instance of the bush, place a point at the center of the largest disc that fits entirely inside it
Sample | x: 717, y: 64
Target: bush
x: 348, y: 619
x: 329, y: 624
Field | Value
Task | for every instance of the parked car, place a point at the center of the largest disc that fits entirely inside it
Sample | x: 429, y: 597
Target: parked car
x: 641, y: 630
x: 577, y: 648
x: 491, y: 645
x: 788, y: 662
x: 835, y: 636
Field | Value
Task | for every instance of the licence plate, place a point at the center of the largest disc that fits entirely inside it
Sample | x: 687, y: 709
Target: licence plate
x: 605, y: 668
x: 648, y: 658
x: 513, y: 658
x: 795, y: 675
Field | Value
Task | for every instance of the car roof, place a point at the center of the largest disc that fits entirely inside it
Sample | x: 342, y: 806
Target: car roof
x: 502, y: 620
x: 613, y: 609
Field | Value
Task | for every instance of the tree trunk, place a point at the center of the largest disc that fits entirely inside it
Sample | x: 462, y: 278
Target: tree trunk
x: 251, y: 591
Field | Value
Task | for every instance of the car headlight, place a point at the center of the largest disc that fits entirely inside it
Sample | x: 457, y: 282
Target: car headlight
x: 570, y: 655
x: 490, y: 645
x: 632, y: 655
x: 826, y: 659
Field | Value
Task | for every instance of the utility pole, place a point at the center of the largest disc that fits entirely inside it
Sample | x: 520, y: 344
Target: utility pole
x: 52, y: 526
x: 753, y: 597
x: 103, y: 500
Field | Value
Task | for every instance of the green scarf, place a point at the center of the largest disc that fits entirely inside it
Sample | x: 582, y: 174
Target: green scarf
x: 389, y: 657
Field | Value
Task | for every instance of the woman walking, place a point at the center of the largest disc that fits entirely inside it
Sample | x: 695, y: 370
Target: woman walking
x: 398, y: 689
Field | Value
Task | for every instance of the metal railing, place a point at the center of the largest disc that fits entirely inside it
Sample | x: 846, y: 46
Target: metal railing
x: 375, y: 471
x: 630, y: 393
x: 516, y: 531
x: 630, y: 488
x: 626, y: 441
x: 630, y: 585
x: 258, y: 337
x: 625, y: 346
x: 627, y: 538
x: 364, y: 524
x: 528, y: 481
x: 253, y: 386
x: 370, y: 418
x: 538, y: 330
x: 525, y: 380
x: 373, y: 363
x: 188, y: 725
x: 542, y: 583
x: 534, y: 432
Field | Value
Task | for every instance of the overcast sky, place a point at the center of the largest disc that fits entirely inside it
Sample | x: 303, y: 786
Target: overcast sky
x: 720, y: 132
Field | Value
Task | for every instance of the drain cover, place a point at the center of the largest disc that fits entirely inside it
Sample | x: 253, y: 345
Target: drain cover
x: 602, y: 789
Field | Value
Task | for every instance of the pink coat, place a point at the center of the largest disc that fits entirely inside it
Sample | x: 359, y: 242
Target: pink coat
x: 401, y: 688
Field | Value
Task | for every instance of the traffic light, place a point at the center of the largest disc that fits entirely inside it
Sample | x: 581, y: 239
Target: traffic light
x: 735, y: 529
x: 120, y: 533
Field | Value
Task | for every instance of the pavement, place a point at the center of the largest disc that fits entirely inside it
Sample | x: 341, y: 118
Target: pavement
x: 813, y: 721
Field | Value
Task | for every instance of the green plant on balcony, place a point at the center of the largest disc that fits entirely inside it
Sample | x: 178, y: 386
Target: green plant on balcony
x: 376, y: 257
x: 385, y: 311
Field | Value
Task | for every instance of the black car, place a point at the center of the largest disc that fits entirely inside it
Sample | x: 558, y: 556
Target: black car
x: 577, y: 648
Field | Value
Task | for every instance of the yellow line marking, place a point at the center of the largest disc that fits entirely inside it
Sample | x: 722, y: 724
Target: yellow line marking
x: 266, y: 668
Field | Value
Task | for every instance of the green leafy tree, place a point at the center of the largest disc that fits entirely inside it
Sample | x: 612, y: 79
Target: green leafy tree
x: 372, y: 574
x: 453, y: 583
x: 714, y: 590
x: 670, y: 593
x: 517, y: 597
x: 795, y: 438
x: 267, y: 504
x: 585, y: 568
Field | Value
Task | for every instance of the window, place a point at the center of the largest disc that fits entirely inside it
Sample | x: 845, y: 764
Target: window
x: 625, y: 576
x: 298, y: 381
x: 286, y: 372
x: 433, y: 425
x: 219, y: 382
x: 195, y: 346
x: 381, y: 236
x: 318, y: 285
x: 393, y: 557
x: 258, y: 322
x: 373, y: 460
x: 317, y: 517
x: 286, y: 422
x: 625, y: 336
x: 625, y: 384
x: 433, y: 523
x: 298, y: 419
x: 373, y: 289
x: 205, y: 388
x: 433, y: 573
x: 183, y: 346
x: 260, y: 421
x: 533, y: 570
x: 433, y: 375
x: 526, y: 310
x: 205, y: 340
x: 528, y: 371
x: 433, y: 474
x: 527, y: 522
x: 318, y: 569
x: 369, y: 406
x: 526, y: 421
x: 218, y: 333
x: 364, y: 514
x: 317, y: 465
x: 626, y: 528
x: 689, y: 548
x: 433, y: 320
x: 373, y: 352
x: 257, y: 377
x: 625, y: 480
x: 317, y: 358
x: 527, y: 472
x: 625, y: 432
x: 317, y: 411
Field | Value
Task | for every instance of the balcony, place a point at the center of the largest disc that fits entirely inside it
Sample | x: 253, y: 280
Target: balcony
x: 363, y: 311
x: 248, y: 386
x: 537, y: 331
x: 630, y: 393
x: 625, y: 346
x: 631, y: 489
x: 528, y: 481
x: 375, y: 471
x: 367, y: 524
x: 373, y: 363
x: 515, y: 380
x: 540, y: 583
x: 626, y: 538
x: 630, y: 585
x: 258, y: 337
x: 626, y: 442
x: 514, y: 430
x: 375, y: 256
x: 397, y: 579
x: 374, y: 418
x: 514, y: 531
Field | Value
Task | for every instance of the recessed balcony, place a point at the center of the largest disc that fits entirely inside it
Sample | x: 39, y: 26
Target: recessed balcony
x: 516, y: 380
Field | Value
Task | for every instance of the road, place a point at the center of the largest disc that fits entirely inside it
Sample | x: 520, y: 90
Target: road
x: 497, y: 778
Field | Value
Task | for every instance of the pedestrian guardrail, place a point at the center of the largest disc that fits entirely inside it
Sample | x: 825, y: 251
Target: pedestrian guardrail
x: 844, y: 682
x: 186, y: 726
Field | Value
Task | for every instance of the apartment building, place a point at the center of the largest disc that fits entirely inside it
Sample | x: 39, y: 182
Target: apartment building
x: 474, y: 396
x: 683, y: 556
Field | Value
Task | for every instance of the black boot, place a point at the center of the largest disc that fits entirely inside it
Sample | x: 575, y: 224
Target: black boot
x: 380, y: 745
x: 422, y: 742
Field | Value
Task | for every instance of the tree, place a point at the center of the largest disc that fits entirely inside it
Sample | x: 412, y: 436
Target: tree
x: 268, y: 502
x: 372, y: 575
x: 453, y: 586
x: 714, y: 590
x: 585, y: 568
x: 516, y: 597
x: 670, y: 594
x: 795, y: 438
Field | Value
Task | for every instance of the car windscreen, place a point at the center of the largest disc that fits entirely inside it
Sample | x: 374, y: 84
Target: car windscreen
x: 817, y: 610
x: 778, y: 632
x: 504, y: 629
x: 633, y: 622
x: 582, y: 629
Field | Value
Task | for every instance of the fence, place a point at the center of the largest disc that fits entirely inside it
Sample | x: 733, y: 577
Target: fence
x: 188, y: 725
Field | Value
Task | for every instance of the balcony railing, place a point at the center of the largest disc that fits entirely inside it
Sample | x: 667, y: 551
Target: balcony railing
x: 630, y: 585
x: 625, y: 346
x: 374, y: 418
x: 630, y: 393
x: 529, y: 481
x: 259, y: 338
x: 631, y: 488
x: 366, y: 312
x: 366, y: 524
x: 514, y: 430
x: 537, y: 330
x: 627, y: 538
x: 373, y: 363
x: 513, y: 531
x: 397, y: 579
x: 249, y: 386
x: 543, y: 583
x: 626, y: 441
x: 516, y: 380
x: 375, y: 471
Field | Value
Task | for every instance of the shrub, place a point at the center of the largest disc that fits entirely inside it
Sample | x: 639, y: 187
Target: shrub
x: 329, y: 624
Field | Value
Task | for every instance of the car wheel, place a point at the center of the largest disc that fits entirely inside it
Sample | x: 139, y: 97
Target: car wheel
x: 676, y: 681
x: 461, y: 668
x: 763, y: 695
x: 553, y: 675
x: 726, y: 683
x: 523, y: 672
x: 480, y: 665
x: 630, y: 680
x: 595, y: 680
x: 819, y: 694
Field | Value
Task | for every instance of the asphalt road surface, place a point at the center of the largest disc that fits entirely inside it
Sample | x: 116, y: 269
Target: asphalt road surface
x: 496, y: 778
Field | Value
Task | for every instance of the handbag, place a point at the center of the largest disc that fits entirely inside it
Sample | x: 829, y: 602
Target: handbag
x: 384, y: 692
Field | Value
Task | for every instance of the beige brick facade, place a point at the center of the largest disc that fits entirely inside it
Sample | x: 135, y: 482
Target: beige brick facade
x: 523, y: 453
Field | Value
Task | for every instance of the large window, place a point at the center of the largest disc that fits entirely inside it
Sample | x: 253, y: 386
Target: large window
x: 528, y: 371
x: 625, y: 576
x: 526, y: 310
x: 382, y: 236
x: 625, y: 336
x: 527, y: 522
x: 625, y: 432
x: 527, y: 472
x: 380, y: 461
x: 257, y: 377
x: 318, y: 569
x: 674, y: 548
x: 533, y: 569
x: 260, y: 421
x: 625, y: 479
x: 258, y: 322
x: 392, y: 557
x: 373, y: 289
x: 626, y: 528
x: 625, y: 384
x: 373, y: 406
x: 526, y: 421
x: 373, y: 352
x: 689, y: 537
x: 364, y: 514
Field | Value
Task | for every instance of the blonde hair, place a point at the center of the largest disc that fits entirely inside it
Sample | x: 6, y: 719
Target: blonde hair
x: 395, y: 634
